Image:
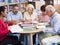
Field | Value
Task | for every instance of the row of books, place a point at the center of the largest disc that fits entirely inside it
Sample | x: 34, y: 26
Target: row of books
x: 12, y: 1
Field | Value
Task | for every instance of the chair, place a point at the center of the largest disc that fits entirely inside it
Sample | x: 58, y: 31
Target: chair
x: 58, y: 43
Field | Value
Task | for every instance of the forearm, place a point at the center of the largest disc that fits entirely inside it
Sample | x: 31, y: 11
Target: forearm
x: 52, y: 31
x: 12, y: 22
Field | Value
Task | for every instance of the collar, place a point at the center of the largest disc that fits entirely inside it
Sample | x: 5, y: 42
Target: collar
x: 54, y: 15
x: 14, y: 14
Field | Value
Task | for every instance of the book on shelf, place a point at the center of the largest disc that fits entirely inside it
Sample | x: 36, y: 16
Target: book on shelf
x: 14, y: 1
x: 22, y: 0
x: 11, y: 1
x: 2, y: 0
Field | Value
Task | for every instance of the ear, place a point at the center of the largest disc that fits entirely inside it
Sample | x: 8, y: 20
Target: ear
x: 1, y: 12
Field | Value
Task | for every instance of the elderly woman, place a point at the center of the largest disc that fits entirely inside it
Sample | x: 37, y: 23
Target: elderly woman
x: 30, y: 14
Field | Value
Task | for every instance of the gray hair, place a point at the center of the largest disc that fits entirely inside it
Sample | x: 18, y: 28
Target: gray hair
x: 29, y: 6
x: 51, y: 8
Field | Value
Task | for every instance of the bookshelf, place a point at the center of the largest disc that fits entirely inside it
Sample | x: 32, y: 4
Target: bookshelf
x: 21, y: 3
x: 9, y: 4
x: 49, y: 2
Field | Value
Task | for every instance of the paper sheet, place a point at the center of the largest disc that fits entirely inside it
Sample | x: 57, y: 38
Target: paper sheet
x: 15, y: 29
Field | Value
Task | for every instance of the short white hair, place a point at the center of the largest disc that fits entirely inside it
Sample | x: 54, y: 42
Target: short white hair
x: 50, y: 8
x: 29, y: 6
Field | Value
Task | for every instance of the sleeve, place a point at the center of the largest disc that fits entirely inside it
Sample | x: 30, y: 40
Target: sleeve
x: 3, y: 31
x: 56, y: 27
x: 39, y: 17
x: 36, y: 16
x: 21, y: 17
x: 24, y: 16
x: 9, y: 17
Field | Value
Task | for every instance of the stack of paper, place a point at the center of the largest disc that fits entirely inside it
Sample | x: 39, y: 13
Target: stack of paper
x: 15, y: 29
x: 41, y: 27
x: 26, y: 25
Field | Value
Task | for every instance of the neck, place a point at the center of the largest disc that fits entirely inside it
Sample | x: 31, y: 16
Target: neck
x: 43, y: 14
x: 30, y: 13
x: 52, y: 14
x: 14, y: 13
x: 1, y: 17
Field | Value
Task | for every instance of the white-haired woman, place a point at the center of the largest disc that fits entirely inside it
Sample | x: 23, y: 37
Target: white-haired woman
x: 30, y: 14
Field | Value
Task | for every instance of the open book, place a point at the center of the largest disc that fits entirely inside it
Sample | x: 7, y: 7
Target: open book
x: 15, y: 28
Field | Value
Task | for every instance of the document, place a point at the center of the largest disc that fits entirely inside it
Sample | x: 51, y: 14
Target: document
x: 15, y: 28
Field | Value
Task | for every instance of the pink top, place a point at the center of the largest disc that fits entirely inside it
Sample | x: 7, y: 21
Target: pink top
x: 43, y: 18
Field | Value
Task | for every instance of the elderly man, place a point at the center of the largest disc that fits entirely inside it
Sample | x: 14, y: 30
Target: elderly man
x: 54, y: 23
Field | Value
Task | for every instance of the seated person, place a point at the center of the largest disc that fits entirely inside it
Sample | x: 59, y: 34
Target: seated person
x: 54, y: 23
x: 3, y: 27
x: 43, y: 17
x: 30, y: 14
x: 14, y: 16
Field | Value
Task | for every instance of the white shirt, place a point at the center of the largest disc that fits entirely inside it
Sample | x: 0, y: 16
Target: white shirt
x: 33, y: 17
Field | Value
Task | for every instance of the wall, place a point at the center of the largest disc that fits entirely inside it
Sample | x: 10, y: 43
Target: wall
x: 57, y: 6
x: 39, y: 4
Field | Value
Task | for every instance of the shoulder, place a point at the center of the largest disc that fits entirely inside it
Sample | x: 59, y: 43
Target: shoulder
x: 34, y: 12
x: 1, y: 21
x: 19, y: 12
x: 25, y: 13
x: 47, y: 16
x: 57, y: 15
x: 10, y: 12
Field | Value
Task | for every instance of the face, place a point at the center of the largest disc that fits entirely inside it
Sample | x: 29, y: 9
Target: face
x: 30, y: 10
x: 4, y: 14
x: 15, y: 10
x: 48, y: 12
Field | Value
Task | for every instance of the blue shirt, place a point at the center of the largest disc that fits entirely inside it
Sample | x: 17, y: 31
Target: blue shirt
x: 12, y: 16
x: 55, y: 24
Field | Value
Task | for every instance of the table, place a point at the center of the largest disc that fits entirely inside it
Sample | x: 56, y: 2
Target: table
x: 30, y: 33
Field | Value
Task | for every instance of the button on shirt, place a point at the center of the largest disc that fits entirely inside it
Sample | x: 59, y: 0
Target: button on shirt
x: 12, y: 16
x: 55, y: 24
